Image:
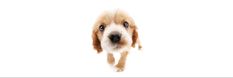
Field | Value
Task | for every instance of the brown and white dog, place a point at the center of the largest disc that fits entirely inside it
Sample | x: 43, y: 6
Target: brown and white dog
x: 115, y: 32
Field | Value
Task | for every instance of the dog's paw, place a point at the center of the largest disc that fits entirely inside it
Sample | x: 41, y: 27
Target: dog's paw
x: 140, y: 47
x: 119, y: 68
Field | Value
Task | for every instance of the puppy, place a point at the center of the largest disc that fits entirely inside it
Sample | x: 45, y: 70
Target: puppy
x: 115, y: 32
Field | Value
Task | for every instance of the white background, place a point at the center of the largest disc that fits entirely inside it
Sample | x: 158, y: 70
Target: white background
x: 52, y: 38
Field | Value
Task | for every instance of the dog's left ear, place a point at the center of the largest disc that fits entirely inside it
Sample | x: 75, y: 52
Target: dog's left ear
x: 134, y: 37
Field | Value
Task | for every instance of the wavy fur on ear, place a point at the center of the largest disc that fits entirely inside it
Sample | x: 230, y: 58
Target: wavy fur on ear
x: 96, y: 42
x: 134, y: 37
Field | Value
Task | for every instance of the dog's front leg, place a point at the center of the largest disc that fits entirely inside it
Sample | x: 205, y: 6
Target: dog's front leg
x: 121, y: 63
x: 111, y: 59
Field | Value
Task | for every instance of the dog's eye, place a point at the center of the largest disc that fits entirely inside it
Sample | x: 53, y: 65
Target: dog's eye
x: 126, y: 24
x: 101, y: 28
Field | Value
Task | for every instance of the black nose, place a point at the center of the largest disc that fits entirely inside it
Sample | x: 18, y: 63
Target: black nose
x: 115, y: 38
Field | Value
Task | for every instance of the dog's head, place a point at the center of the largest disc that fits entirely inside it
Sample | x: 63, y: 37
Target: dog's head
x: 114, y: 31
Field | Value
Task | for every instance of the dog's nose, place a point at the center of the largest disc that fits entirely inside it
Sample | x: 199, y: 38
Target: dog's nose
x: 115, y: 37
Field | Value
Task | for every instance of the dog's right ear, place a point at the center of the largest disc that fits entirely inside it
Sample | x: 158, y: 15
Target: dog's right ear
x: 96, y: 42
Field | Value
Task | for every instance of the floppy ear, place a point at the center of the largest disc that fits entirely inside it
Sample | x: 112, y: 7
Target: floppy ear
x: 96, y: 42
x: 134, y: 37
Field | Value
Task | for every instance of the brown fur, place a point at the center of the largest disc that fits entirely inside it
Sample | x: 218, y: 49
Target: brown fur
x: 121, y: 62
x: 135, y: 37
x: 111, y: 59
x: 96, y: 42
x: 122, y: 42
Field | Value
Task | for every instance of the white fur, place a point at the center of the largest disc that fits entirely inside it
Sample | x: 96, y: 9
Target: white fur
x: 106, y: 43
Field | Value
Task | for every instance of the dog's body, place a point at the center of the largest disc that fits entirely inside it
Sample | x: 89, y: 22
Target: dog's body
x: 115, y: 32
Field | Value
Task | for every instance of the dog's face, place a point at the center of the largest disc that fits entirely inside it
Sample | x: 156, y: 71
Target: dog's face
x: 114, y: 32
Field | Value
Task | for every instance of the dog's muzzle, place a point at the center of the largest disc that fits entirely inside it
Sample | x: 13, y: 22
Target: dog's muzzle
x: 115, y: 37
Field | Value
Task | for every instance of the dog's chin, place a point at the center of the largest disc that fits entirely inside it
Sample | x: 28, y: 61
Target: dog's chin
x: 119, y: 48
x: 116, y: 47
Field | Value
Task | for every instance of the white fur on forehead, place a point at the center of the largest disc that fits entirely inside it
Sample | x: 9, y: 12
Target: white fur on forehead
x: 114, y: 27
x: 106, y: 43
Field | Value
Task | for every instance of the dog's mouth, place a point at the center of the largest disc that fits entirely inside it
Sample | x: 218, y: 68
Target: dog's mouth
x: 119, y: 45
